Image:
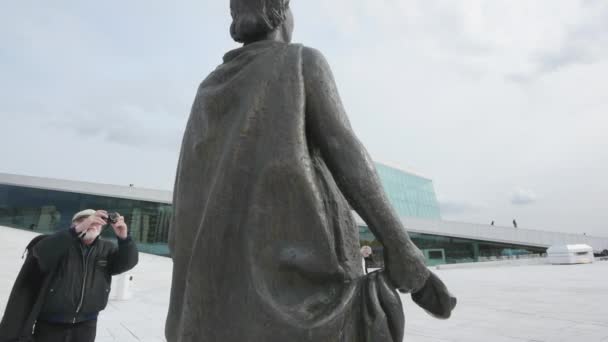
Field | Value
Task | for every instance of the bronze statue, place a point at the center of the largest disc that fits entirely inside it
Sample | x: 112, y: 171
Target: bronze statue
x: 263, y: 243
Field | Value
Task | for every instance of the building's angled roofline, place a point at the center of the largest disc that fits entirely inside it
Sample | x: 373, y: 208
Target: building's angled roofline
x: 481, y: 232
x: 109, y: 190
x: 402, y: 169
x: 507, y: 235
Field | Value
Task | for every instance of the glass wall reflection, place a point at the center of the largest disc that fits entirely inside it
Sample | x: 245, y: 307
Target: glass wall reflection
x: 409, y: 194
x: 448, y: 250
x: 47, y: 211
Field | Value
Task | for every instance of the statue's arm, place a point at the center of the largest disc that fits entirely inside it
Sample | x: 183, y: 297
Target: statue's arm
x: 352, y: 168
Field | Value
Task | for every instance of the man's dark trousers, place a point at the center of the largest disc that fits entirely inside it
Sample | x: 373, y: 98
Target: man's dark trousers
x: 65, y: 332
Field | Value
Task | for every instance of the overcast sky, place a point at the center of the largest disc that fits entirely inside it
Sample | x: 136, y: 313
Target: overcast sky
x: 502, y: 103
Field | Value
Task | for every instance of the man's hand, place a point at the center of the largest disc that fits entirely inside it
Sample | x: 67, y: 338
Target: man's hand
x: 93, y: 221
x: 120, y: 227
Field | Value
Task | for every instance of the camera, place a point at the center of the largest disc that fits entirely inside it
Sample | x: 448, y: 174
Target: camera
x: 112, y: 218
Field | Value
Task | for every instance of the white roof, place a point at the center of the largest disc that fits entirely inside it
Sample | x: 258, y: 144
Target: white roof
x: 507, y: 235
x: 109, y: 190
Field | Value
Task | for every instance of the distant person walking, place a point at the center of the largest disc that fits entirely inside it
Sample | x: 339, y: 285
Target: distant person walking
x: 368, y: 261
x: 514, y: 223
x: 492, y: 223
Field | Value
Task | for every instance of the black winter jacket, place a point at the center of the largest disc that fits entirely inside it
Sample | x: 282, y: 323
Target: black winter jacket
x: 81, y: 284
x: 26, y: 299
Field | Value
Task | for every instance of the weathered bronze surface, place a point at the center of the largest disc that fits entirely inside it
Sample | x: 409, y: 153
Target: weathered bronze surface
x: 263, y: 243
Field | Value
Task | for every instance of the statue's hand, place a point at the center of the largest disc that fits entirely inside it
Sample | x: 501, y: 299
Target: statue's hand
x: 435, y: 298
x: 405, y: 268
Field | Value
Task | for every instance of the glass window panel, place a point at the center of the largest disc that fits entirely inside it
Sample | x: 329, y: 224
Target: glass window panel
x: 47, y: 211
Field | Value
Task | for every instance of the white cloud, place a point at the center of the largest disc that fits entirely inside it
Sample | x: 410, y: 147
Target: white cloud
x: 479, y: 95
x: 523, y: 197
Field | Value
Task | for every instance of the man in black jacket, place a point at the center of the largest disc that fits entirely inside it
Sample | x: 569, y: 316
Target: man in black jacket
x: 83, y: 267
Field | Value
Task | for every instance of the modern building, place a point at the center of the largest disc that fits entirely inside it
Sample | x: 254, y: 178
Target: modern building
x: 47, y: 205
x: 410, y: 194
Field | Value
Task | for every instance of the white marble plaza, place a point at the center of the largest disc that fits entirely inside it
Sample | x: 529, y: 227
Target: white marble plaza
x: 515, y: 303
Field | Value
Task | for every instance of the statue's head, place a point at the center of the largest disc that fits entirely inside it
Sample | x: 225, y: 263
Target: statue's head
x: 254, y: 20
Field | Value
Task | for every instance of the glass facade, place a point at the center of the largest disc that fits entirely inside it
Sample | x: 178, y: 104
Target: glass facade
x: 409, y: 194
x: 448, y: 250
x: 47, y: 211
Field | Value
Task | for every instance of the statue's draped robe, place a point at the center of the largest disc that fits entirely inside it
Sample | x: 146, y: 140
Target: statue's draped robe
x: 263, y: 243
